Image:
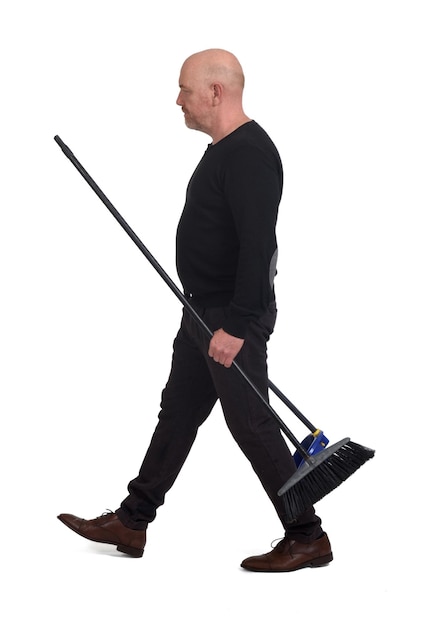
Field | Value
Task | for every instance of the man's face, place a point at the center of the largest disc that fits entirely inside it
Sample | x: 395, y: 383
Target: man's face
x: 195, y: 98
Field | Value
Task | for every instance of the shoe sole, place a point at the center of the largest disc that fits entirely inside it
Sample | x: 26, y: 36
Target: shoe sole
x: 320, y: 561
x: 134, y: 552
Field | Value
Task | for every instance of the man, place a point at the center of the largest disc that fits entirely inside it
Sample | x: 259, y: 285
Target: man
x: 226, y: 261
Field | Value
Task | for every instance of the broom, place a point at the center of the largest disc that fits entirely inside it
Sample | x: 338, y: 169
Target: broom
x: 297, y: 498
x: 321, y: 472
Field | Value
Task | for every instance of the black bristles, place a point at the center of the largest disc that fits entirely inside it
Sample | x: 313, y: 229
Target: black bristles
x: 322, y: 473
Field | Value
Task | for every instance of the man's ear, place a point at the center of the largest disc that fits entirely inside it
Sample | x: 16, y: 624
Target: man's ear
x: 217, y: 93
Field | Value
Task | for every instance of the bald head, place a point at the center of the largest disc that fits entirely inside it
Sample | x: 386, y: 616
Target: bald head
x: 211, y: 86
x: 216, y: 65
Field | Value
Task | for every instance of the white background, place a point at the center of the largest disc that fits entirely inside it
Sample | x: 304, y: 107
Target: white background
x: 352, y: 94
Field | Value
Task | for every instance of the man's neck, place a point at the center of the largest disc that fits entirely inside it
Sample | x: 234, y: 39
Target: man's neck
x: 229, y: 127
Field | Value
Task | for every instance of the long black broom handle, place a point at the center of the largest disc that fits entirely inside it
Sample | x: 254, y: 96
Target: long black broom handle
x: 139, y: 243
x: 291, y: 406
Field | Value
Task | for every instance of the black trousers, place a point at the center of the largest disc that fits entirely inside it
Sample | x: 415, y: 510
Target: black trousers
x: 195, y: 383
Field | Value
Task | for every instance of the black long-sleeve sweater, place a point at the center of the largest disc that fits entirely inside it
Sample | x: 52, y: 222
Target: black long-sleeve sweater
x: 226, y: 239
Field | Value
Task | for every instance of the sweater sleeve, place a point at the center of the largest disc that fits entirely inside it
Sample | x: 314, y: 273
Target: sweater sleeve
x: 253, y: 188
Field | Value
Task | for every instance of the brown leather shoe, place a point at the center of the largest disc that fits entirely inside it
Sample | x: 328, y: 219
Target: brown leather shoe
x: 290, y: 555
x: 108, y: 529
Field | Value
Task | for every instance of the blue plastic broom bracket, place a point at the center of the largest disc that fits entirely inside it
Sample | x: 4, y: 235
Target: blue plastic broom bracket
x: 313, y: 443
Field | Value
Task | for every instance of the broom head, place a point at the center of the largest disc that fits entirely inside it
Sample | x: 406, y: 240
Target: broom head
x: 320, y: 474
